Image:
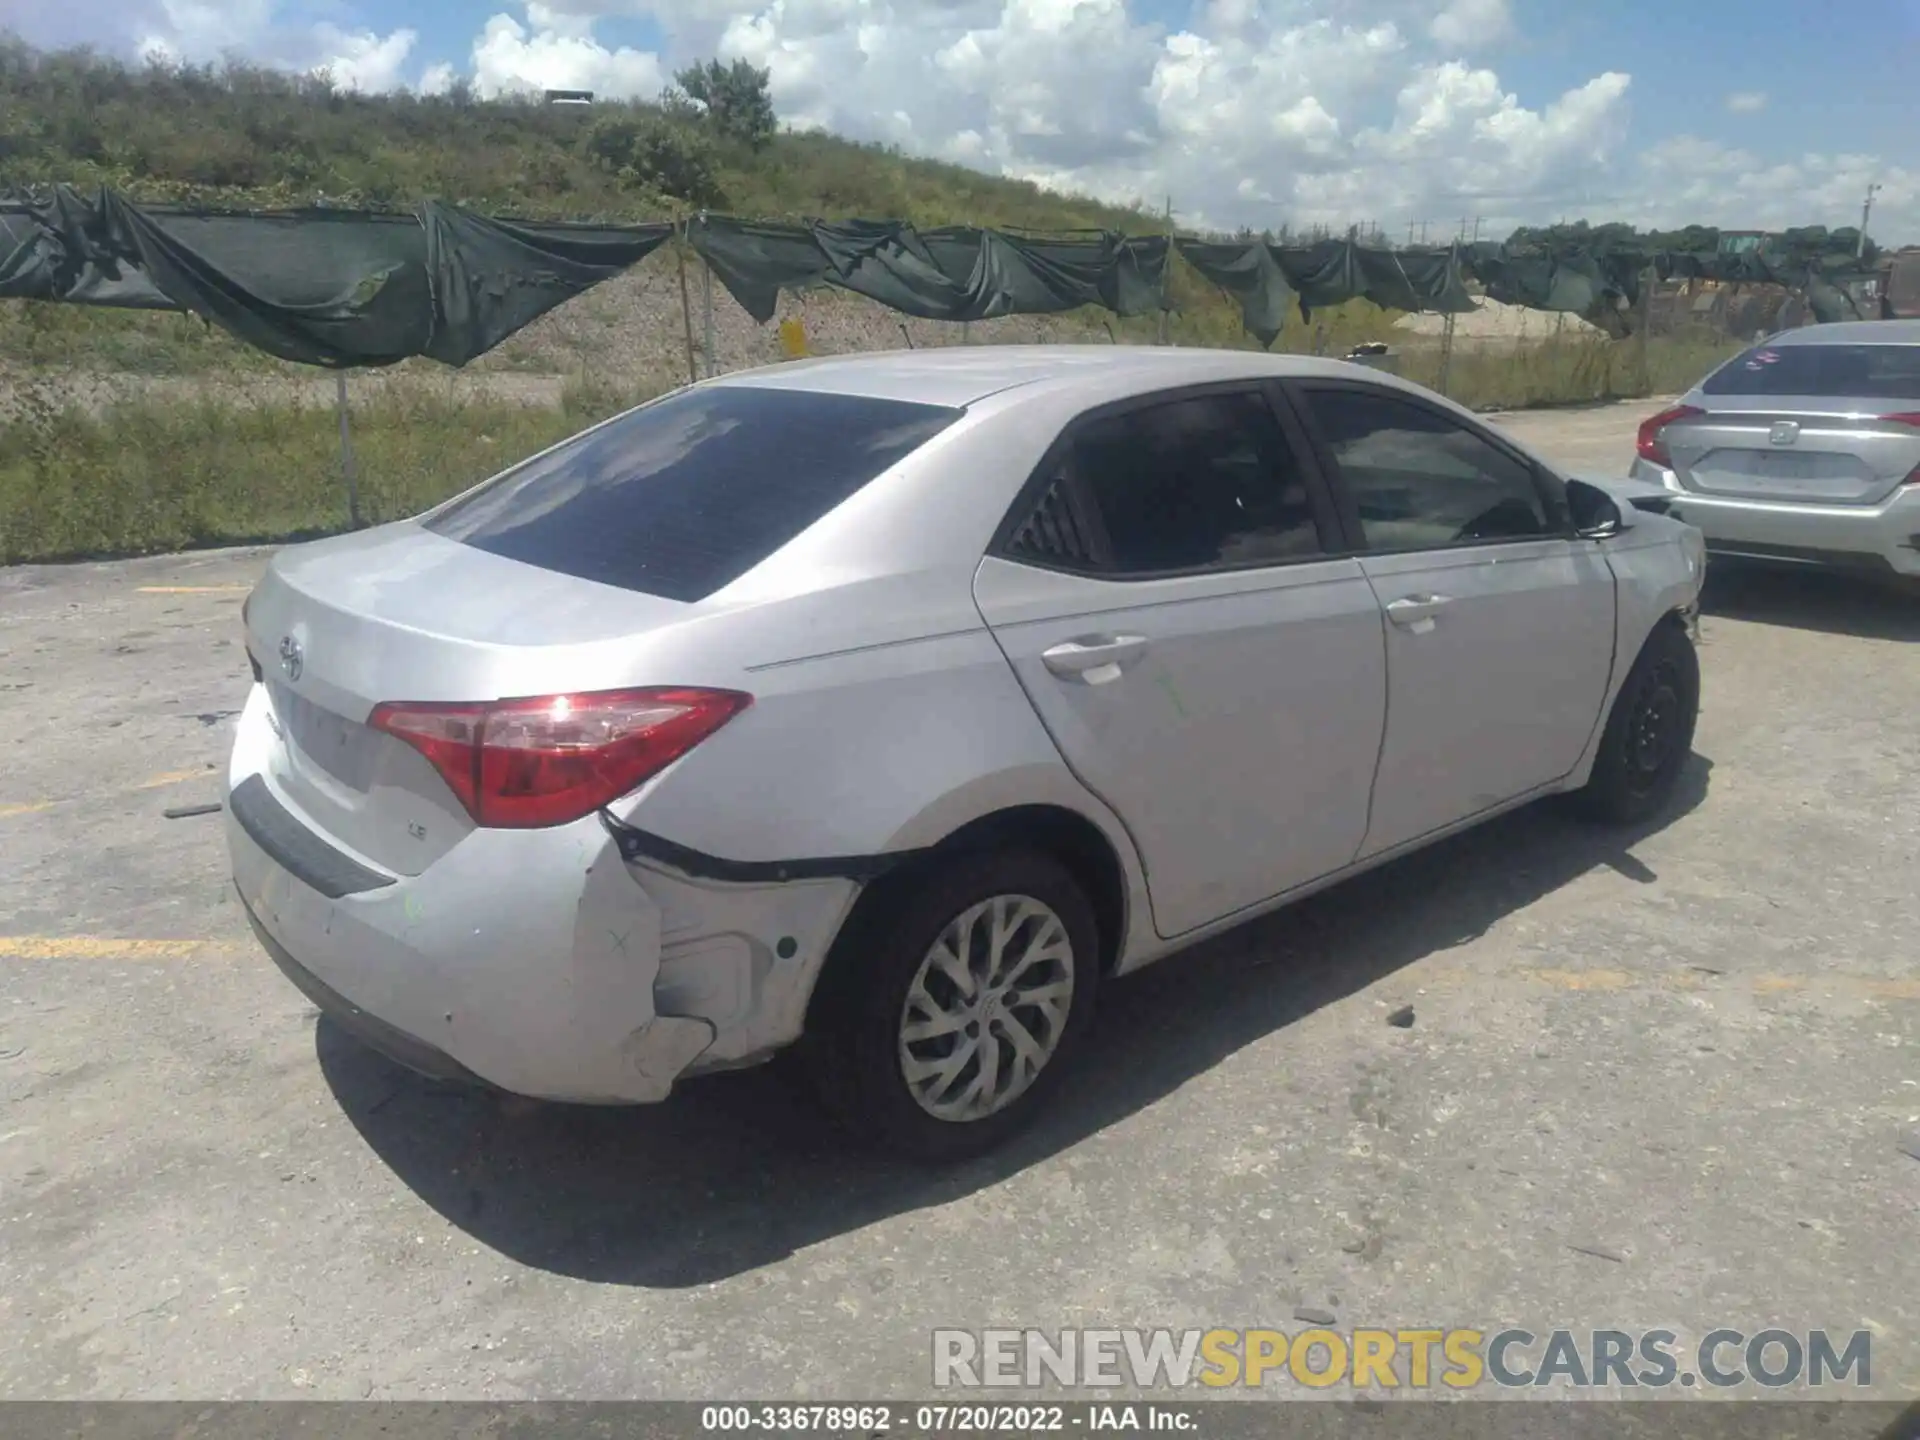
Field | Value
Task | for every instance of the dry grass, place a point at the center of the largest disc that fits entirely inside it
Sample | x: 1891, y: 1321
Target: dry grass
x: 144, y: 477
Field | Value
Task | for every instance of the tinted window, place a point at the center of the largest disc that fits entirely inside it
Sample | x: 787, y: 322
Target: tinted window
x: 1859, y: 372
x: 1422, y: 481
x: 1188, y: 484
x: 683, y: 496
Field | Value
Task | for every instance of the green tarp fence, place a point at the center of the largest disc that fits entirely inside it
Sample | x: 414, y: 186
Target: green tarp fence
x: 956, y: 272
x: 344, y: 288
x: 337, y: 288
x: 349, y: 288
x: 1269, y: 280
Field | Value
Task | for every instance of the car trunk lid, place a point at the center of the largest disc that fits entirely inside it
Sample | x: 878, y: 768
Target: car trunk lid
x: 397, y: 613
x: 1801, y: 451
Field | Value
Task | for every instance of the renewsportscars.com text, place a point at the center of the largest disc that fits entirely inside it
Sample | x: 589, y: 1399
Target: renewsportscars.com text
x: 1380, y: 1359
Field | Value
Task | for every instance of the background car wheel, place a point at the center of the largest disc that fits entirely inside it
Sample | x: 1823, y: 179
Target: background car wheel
x: 952, y: 1004
x: 1649, y: 732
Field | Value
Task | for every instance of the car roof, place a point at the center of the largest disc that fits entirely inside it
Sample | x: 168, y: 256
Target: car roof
x: 1852, y: 332
x: 960, y: 375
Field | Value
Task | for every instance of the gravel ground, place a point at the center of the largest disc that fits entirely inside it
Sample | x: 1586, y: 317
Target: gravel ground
x: 1666, y: 1078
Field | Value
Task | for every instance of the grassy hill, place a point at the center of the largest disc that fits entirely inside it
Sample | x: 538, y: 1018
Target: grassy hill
x: 261, y: 137
x: 125, y: 432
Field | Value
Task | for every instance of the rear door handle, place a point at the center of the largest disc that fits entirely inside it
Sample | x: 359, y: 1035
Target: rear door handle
x: 1096, y: 660
x: 1415, y: 612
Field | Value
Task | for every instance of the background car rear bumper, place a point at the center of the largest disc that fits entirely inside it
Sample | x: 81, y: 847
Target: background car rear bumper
x: 1884, y: 537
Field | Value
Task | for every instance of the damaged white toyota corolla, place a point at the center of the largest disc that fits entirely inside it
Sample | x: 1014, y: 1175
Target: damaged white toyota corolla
x: 890, y: 704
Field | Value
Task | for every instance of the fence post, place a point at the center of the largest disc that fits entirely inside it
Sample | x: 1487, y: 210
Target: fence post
x: 1446, y: 351
x: 346, y: 449
x: 1166, y: 279
x: 1648, y: 279
x: 706, y: 300
x: 686, y: 303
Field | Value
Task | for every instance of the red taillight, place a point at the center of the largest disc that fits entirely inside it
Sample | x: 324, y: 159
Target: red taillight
x: 549, y: 760
x: 1651, y: 443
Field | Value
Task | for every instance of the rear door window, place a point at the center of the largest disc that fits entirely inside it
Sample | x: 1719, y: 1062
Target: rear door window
x: 1199, y: 483
x: 682, y: 497
x: 1841, y: 372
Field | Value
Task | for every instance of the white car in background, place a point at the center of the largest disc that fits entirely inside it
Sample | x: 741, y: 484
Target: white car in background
x: 888, y: 704
x: 1803, y: 450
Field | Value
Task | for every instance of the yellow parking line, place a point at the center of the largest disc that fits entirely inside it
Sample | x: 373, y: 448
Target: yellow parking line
x: 172, y: 777
x: 95, y: 947
x: 194, y: 589
x: 152, y: 782
x: 1583, y: 979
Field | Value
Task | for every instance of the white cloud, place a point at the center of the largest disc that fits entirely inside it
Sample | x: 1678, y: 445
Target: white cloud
x: 437, y: 79
x: 1705, y: 182
x: 1471, y: 24
x: 1250, y: 112
x: 509, y: 57
x: 365, y: 62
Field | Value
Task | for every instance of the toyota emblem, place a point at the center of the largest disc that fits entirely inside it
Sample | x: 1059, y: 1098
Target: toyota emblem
x: 292, y: 659
x: 1784, y: 432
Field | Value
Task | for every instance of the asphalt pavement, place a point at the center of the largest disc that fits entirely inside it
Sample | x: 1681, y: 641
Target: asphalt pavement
x: 1661, y: 1078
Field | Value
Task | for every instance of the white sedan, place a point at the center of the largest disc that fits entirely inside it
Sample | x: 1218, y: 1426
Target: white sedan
x: 887, y: 705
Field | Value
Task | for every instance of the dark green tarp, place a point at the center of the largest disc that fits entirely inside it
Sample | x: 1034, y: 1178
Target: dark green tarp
x: 1602, y: 283
x: 1267, y: 279
x: 346, y: 288
x: 336, y: 288
x: 952, y: 273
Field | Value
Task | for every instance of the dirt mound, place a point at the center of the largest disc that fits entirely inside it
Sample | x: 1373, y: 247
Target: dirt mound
x: 1494, y: 321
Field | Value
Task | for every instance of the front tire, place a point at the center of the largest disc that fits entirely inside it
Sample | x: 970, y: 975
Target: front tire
x: 952, y: 1004
x: 1649, y: 734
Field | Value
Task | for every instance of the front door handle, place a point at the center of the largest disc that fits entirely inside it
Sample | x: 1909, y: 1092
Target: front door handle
x: 1096, y: 659
x: 1415, y: 612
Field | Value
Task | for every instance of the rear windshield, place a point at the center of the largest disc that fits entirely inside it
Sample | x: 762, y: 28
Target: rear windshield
x: 684, y: 496
x: 1860, y: 372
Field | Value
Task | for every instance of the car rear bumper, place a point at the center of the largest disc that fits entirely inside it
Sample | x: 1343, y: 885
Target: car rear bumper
x: 370, y: 1030
x: 1884, y: 538
x: 539, y: 962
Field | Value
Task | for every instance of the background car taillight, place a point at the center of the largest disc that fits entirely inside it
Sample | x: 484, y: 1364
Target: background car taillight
x: 1906, y: 417
x: 1652, y: 441
x: 549, y: 760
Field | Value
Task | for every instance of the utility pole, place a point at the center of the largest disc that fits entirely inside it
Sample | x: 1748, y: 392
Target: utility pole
x: 1166, y: 278
x: 1866, y: 211
x: 1423, y: 232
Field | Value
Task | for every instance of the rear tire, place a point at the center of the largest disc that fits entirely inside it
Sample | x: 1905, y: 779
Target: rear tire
x: 1649, y: 734
x: 952, y: 1005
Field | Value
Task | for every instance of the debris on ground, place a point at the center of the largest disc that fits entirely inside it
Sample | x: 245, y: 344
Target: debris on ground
x: 1401, y: 1019
x: 1599, y: 1252
x: 184, y: 812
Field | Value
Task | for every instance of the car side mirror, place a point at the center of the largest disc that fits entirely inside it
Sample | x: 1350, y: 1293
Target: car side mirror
x: 1596, y: 514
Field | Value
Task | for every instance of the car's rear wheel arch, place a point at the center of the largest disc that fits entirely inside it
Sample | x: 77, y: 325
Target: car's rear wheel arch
x: 1072, y: 840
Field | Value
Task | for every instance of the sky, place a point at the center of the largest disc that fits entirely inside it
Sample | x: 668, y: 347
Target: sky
x: 1420, y: 116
